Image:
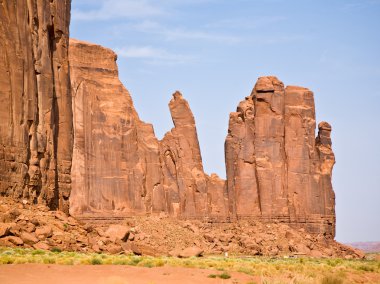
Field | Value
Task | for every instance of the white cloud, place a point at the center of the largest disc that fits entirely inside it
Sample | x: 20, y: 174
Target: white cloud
x: 140, y: 14
x: 111, y: 9
x: 242, y: 23
x: 153, y: 55
x: 173, y: 34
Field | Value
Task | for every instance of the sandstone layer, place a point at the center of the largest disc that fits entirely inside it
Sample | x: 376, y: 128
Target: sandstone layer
x: 35, y: 116
x: 276, y: 168
x: 116, y: 167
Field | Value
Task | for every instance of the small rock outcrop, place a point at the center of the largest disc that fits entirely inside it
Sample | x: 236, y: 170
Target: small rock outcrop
x: 276, y: 168
x: 35, y: 116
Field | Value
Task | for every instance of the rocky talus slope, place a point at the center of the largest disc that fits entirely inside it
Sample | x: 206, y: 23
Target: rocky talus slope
x: 35, y: 226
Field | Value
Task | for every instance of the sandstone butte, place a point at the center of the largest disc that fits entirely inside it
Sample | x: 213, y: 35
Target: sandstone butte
x: 71, y: 139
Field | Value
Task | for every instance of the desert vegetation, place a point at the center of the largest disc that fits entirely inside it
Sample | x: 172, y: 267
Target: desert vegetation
x: 268, y: 270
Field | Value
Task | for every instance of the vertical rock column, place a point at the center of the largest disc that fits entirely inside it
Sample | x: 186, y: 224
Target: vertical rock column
x: 269, y: 99
x: 300, y: 151
x: 325, y: 163
x: 242, y: 183
x: 184, y: 179
x: 36, y: 115
x: 276, y: 168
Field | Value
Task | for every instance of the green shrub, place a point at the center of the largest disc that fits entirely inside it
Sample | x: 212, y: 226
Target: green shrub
x: 332, y: 280
x: 96, y: 261
x: 135, y: 260
x: 56, y: 250
x: 224, y: 275
x: 38, y: 252
x: 49, y: 260
x: 366, y: 268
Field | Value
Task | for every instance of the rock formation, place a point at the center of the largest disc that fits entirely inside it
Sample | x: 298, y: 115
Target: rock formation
x: 276, y: 168
x: 119, y: 166
x: 183, y: 177
x: 36, y: 115
x: 116, y: 167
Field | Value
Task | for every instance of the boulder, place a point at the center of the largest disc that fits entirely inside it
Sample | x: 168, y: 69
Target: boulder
x: 44, y: 232
x: 29, y: 238
x: 175, y: 252
x: 142, y: 249
x: 15, y: 240
x: 191, y: 252
x: 117, y: 232
x: 42, y: 246
x: 114, y: 249
x: 5, y: 229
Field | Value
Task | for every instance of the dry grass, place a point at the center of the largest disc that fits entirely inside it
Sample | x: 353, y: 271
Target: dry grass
x: 269, y: 270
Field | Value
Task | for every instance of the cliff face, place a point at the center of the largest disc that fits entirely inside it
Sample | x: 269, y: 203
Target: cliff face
x: 35, y: 114
x: 276, y: 168
x: 116, y: 168
x: 119, y: 166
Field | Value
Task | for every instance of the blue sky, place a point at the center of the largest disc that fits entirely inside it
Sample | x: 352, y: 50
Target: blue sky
x: 214, y: 50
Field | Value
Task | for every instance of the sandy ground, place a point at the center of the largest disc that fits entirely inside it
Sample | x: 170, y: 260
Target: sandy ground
x: 111, y: 274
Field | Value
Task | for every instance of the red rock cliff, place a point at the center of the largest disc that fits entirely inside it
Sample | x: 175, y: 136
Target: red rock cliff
x: 116, y: 167
x: 119, y: 166
x: 35, y: 114
x: 276, y: 168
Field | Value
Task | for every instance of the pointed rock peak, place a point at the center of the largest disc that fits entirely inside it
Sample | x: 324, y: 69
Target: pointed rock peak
x: 177, y: 95
x: 180, y: 111
x: 324, y: 134
x: 323, y: 125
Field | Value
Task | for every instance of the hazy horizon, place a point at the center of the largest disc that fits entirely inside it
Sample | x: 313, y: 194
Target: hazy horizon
x: 214, y: 51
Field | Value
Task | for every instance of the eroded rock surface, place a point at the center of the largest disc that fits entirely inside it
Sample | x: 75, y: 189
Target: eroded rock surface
x: 183, y: 176
x: 276, y: 168
x: 116, y: 168
x: 277, y: 171
x: 119, y: 166
x: 35, y: 115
